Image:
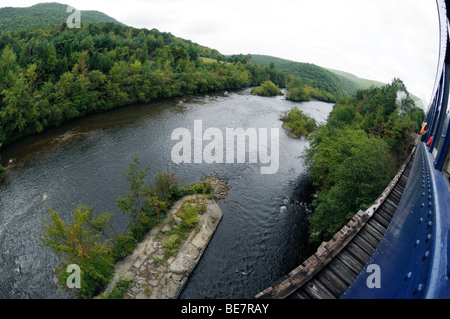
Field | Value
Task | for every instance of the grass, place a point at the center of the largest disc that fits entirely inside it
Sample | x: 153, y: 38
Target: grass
x: 210, y: 61
x: 171, y: 244
x: 119, y: 289
x: 190, y: 216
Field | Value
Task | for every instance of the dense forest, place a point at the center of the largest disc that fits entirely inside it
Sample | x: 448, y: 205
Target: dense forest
x: 48, y: 76
x: 332, y: 84
x: 353, y: 157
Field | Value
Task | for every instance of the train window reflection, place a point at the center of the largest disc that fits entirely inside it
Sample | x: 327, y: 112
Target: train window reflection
x: 439, y: 134
x: 446, y: 167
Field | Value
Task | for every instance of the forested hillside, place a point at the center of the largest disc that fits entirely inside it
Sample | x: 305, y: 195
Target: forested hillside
x: 360, y: 83
x: 45, y: 15
x: 312, y: 75
x: 353, y: 157
x: 48, y: 76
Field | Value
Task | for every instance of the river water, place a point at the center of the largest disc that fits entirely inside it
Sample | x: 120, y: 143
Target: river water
x: 261, y: 236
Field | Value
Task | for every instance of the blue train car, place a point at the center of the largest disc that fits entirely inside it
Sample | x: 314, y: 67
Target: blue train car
x: 413, y: 258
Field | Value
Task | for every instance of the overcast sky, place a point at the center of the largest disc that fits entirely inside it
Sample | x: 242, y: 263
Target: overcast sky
x: 374, y: 39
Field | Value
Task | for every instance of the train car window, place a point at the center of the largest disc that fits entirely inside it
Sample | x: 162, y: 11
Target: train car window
x: 434, y: 120
x: 439, y: 134
x: 441, y: 114
x: 446, y: 167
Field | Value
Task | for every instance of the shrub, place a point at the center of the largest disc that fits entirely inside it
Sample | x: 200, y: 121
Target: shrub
x: 298, y: 123
x: 146, y: 205
x: 120, y: 289
x: 190, y: 215
x: 152, y: 211
x: 123, y: 246
x: 267, y: 88
x: 201, y: 187
x: 167, y: 186
x: 170, y: 245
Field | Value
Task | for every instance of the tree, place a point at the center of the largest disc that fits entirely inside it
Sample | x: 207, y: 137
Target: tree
x: 87, y: 43
x: 17, y: 104
x: 78, y: 243
x: 118, y: 76
x: 8, y: 67
x: 144, y: 205
x: 296, y: 90
x: 132, y: 203
x: 354, y: 168
x: 342, y: 114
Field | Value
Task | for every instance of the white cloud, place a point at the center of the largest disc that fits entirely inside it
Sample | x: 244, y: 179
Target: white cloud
x: 378, y: 40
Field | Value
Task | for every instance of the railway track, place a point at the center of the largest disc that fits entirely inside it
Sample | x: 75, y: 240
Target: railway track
x: 331, y: 270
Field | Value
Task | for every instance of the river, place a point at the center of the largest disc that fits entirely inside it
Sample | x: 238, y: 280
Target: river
x: 261, y: 236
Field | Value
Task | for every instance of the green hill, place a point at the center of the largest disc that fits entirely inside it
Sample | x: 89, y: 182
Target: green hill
x: 313, y: 75
x: 45, y: 15
x: 359, y: 82
x: 365, y: 84
x: 338, y: 83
